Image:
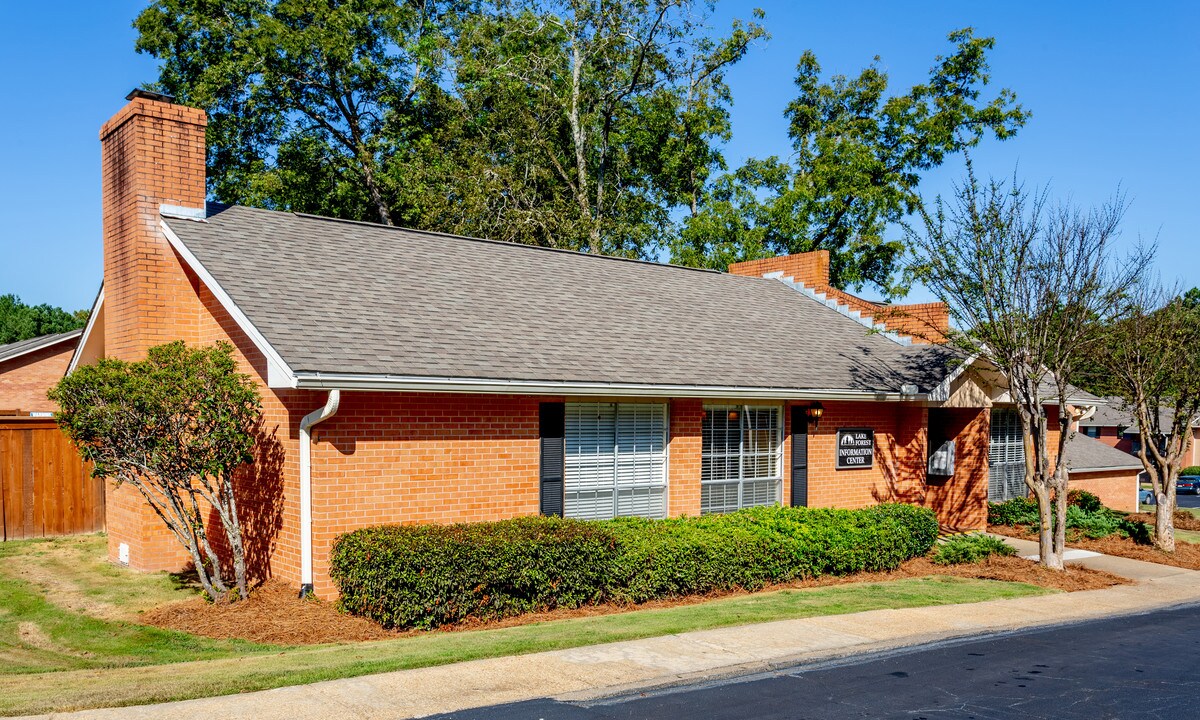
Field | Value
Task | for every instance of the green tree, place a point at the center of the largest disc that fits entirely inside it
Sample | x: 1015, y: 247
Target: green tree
x: 857, y: 160
x: 1150, y: 356
x: 1031, y: 287
x: 313, y: 105
x: 560, y: 123
x: 19, y: 321
x: 176, y: 426
x: 598, y: 119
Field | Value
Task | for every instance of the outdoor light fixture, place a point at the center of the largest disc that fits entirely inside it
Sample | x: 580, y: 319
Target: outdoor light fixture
x: 814, y: 413
x: 733, y: 415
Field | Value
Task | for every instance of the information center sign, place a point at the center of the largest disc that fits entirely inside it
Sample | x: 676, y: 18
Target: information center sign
x: 855, y: 448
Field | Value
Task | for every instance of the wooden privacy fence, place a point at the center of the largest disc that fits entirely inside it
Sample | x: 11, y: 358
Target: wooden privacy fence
x: 46, y: 489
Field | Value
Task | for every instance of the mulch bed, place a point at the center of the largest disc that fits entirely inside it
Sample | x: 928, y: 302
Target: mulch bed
x: 1186, y: 555
x: 274, y: 615
x: 1184, y: 520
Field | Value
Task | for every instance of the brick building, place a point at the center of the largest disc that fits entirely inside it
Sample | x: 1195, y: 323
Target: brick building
x: 416, y: 377
x: 28, y: 369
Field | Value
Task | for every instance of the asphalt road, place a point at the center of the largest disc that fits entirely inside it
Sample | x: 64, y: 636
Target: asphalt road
x: 1133, y: 667
x: 1188, y: 501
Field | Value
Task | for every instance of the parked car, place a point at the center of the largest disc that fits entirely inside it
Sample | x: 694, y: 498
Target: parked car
x: 1146, y: 497
x: 1188, y: 484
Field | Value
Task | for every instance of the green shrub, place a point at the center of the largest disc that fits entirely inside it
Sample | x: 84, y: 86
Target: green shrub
x: 1190, y: 470
x: 426, y: 576
x: 1084, y: 500
x: 970, y: 548
x: 429, y: 575
x: 1018, y: 511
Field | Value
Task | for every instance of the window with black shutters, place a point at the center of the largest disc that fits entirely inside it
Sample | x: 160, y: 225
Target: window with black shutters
x: 740, y: 462
x: 616, y: 460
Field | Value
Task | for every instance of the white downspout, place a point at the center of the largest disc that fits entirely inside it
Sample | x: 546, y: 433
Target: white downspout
x: 316, y: 416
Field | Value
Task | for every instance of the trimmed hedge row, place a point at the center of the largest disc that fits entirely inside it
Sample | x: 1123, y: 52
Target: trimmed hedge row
x: 425, y: 576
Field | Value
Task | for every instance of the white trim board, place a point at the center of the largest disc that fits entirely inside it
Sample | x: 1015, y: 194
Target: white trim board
x: 279, y: 374
x: 87, y: 330
x: 42, y: 346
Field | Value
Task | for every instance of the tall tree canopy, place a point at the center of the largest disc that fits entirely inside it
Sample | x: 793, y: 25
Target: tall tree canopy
x: 19, y: 321
x: 591, y: 125
x: 856, y: 162
x: 556, y: 122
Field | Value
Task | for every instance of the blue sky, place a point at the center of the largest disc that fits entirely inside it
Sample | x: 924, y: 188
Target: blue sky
x: 1112, y: 87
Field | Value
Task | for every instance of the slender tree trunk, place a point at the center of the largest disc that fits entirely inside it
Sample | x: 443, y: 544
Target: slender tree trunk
x: 1164, y: 511
x: 1060, y: 512
x: 233, y: 531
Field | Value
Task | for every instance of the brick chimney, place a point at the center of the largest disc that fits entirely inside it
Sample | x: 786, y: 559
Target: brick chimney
x: 152, y: 154
x: 922, y: 323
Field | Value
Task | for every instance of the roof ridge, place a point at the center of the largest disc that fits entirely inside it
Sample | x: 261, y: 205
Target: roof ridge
x: 492, y: 241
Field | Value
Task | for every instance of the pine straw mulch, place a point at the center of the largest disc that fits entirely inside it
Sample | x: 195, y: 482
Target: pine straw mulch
x: 1186, y: 555
x: 274, y: 615
x: 1184, y: 520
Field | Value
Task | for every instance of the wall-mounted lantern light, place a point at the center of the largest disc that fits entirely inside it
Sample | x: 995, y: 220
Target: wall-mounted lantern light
x: 814, y: 413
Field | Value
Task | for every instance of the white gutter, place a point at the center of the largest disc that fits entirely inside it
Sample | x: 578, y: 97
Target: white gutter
x: 319, y: 415
x: 329, y: 381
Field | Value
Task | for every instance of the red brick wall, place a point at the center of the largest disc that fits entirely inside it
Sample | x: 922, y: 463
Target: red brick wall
x: 1117, y: 489
x: 683, y: 457
x: 25, y: 380
x: 961, y: 501
x: 151, y: 153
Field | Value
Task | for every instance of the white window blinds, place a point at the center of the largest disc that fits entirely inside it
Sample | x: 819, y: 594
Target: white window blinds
x: 740, y: 457
x: 616, y: 463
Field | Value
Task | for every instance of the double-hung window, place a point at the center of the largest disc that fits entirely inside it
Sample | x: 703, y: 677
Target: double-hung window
x: 616, y: 460
x: 741, y: 457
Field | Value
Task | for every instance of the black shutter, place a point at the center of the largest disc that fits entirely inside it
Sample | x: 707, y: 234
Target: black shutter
x: 552, y: 431
x: 799, y: 457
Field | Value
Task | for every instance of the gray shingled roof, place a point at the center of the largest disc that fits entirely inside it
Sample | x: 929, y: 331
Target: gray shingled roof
x: 1117, y: 414
x: 1085, y: 453
x: 22, y: 347
x: 341, y: 297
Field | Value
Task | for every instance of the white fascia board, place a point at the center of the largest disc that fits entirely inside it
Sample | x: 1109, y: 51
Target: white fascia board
x: 279, y: 374
x: 941, y: 393
x: 394, y: 383
x: 87, y: 330
x: 1104, y: 469
x: 42, y: 346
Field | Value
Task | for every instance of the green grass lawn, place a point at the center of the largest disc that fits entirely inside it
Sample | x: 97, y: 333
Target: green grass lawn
x: 71, y: 641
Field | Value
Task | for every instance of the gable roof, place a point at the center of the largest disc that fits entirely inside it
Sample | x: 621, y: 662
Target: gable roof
x: 1085, y: 454
x: 343, y: 302
x: 24, y: 347
x: 1116, y: 413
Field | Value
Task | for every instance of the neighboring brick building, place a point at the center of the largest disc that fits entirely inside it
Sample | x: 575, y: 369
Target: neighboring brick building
x: 417, y: 377
x: 28, y: 369
x: 1113, y: 425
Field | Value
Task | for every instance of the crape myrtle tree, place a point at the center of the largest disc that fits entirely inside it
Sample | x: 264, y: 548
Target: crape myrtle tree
x: 1030, y: 287
x: 175, y: 426
x: 1151, y: 362
x: 857, y: 157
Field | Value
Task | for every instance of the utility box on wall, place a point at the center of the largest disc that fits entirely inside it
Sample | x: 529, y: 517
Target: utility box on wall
x: 941, y: 460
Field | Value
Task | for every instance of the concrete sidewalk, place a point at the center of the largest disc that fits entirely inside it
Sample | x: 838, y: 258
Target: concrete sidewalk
x: 617, y: 668
x: 1136, y: 570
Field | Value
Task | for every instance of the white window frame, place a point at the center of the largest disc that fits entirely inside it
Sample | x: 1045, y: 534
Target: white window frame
x: 775, y: 456
x: 661, y: 468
